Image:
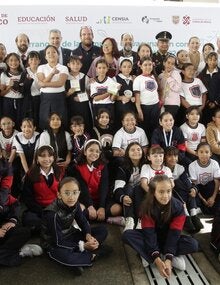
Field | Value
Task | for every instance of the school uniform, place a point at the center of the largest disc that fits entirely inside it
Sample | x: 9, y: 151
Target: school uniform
x: 113, y: 68
x: 64, y: 55
x: 156, y: 237
x: 78, y: 144
x: 62, y: 241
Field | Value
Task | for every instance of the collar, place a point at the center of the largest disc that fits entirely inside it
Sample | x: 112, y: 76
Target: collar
x: 44, y: 173
x: 124, y: 77
x: 214, y: 71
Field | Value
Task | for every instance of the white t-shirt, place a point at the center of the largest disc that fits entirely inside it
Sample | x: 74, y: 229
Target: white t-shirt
x: 203, y: 175
x: 193, y: 91
x: 193, y: 135
x: 46, y: 70
x: 23, y: 140
x: 7, y: 143
x: 99, y: 88
x: 122, y: 138
x: 148, y: 172
x: 35, y: 88
x: 147, y: 86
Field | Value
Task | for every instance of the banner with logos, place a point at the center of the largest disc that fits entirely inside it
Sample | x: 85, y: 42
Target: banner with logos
x: 143, y: 22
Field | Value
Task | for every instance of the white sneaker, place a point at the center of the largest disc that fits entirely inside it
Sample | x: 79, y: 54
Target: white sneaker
x: 144, y: 262
x: 178, y: 262
x: 129, y: 224
x: 30, y: 250
x: 138, y: 227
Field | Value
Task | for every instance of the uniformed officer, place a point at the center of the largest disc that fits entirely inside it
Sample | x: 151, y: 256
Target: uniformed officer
x: 163, y: 39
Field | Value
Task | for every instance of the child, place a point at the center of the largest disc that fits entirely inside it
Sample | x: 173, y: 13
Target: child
x: 206, y: 49
x: 31, y: 89
x: 26, y: 142
x: 12, y: 235
x: 148, y: 171
x: 12, y: 102
x: 125, y: 99
x: 40, y: 186
x: 193, y: 90
x: 213, y: 134
x: 146, y: 96
x: 61, y: 240
x: 143, y: 50
x: 3, y: 54
x: 58, y: 138
x: 169, y: 135
x: 170, y: 82
x: 160, y: 240
x: 92, y: 174
x: 103, y: 132
x: 100, y: 90
x: 210, y: 77
x: 205, y: 174
x: 127, y: 134
x: 183, y: 190
x: 77, y: 88
x: 193, y: 131
x: 127, y: 183
x: 78, y: 136
x: 182, y: 57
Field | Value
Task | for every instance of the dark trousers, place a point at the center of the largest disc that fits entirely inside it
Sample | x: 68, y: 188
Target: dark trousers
x: 72, y: 256
x: 135, y: 238
x: 13, y: 108
x: 10, y: 245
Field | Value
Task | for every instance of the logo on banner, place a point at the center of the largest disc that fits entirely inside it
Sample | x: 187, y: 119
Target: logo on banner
x: 75, y: 19
x: 147, y: 20
x: 176, y: 19
x: 36, y: 19
x: 186, y: 20
x: 113, y: 20
x: 3, y: 19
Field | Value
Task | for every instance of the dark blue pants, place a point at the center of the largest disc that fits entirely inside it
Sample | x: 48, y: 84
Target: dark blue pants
x: 72, y: 256
x: 135, y: 238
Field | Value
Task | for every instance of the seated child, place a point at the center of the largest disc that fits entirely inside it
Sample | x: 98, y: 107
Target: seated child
x: 63, y: 242
x: 183, y: 190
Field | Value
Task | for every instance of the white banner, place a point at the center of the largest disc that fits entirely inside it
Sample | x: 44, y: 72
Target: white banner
x: 143, y: 22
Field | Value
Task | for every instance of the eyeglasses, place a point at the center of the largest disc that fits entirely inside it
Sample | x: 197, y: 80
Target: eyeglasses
x: 71, y: 193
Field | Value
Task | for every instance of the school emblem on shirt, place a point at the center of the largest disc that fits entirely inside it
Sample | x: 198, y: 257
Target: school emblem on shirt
x: 194, y: 137
x: 150, y: 85
x: 204, y: 178
x: 195, y: 91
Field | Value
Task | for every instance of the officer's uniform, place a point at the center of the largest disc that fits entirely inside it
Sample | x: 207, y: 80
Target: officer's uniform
x: 158, y: 57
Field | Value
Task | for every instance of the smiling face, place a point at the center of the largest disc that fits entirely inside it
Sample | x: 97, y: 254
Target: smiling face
x: 193, y: 117
x: 13, y: 63
x: 167, y: 122
x: 126, y: 68
x: 135, y: 153
x: 55, y: 39
x: 163, y: 192
x: 144, y: 51
x: 147, y: 67
x: 7, y: 126
x: 129, y: 122
x: 169, y: 64
x: 51, y: 54
x: 27, y: 129
x: 183, y: 57
x: 86, y: 36
x: 69, y: 193
x: 22, y: 43
x: 156, y: 160
x: 103, y: 120
x: 92, y: 153
x: 194, y: 44
x: 77, y: 129
x: 107, y: 47
x: 204, y: 154
x: 45, y: 160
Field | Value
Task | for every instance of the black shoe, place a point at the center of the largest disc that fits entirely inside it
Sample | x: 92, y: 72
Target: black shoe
x: 103, y: 251
x: 189, y: 226
x: 197, y: 223
x: 78, y: 270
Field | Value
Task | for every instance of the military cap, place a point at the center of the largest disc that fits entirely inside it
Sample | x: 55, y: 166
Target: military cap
x: 164, y: 36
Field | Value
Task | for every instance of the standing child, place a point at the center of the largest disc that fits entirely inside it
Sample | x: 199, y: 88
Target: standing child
x: 92, y: 174
x: 127, y: 183
x: 78, y: 136
x: 102, y: 90
x: 193, y: 90
x: 205, y: 174
x: 160, y: 240
x: 31, y: 89
x: 170, y: 82
x: 184, y: 190
x: 182, y: 57
x: 40, y: 186
x: 26, y: 142
x: 77, y: 88
x: 193, y: 131
x: 62, y: 241
x: 146, y: 96
x: 58, y: 138
x: 125, y: 99
x: 12, y: 103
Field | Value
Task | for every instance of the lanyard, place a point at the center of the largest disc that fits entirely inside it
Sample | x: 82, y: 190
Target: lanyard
x: 170, y: 138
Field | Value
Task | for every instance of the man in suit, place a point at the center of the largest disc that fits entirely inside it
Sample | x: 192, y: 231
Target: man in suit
x: 163, y: 42
x: 86, y: 50
x: 55, y: 39
x: 22, y: 42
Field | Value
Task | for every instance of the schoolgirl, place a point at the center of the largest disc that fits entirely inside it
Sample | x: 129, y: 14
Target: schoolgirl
x: 160, y: 240
x: 40, y: 186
